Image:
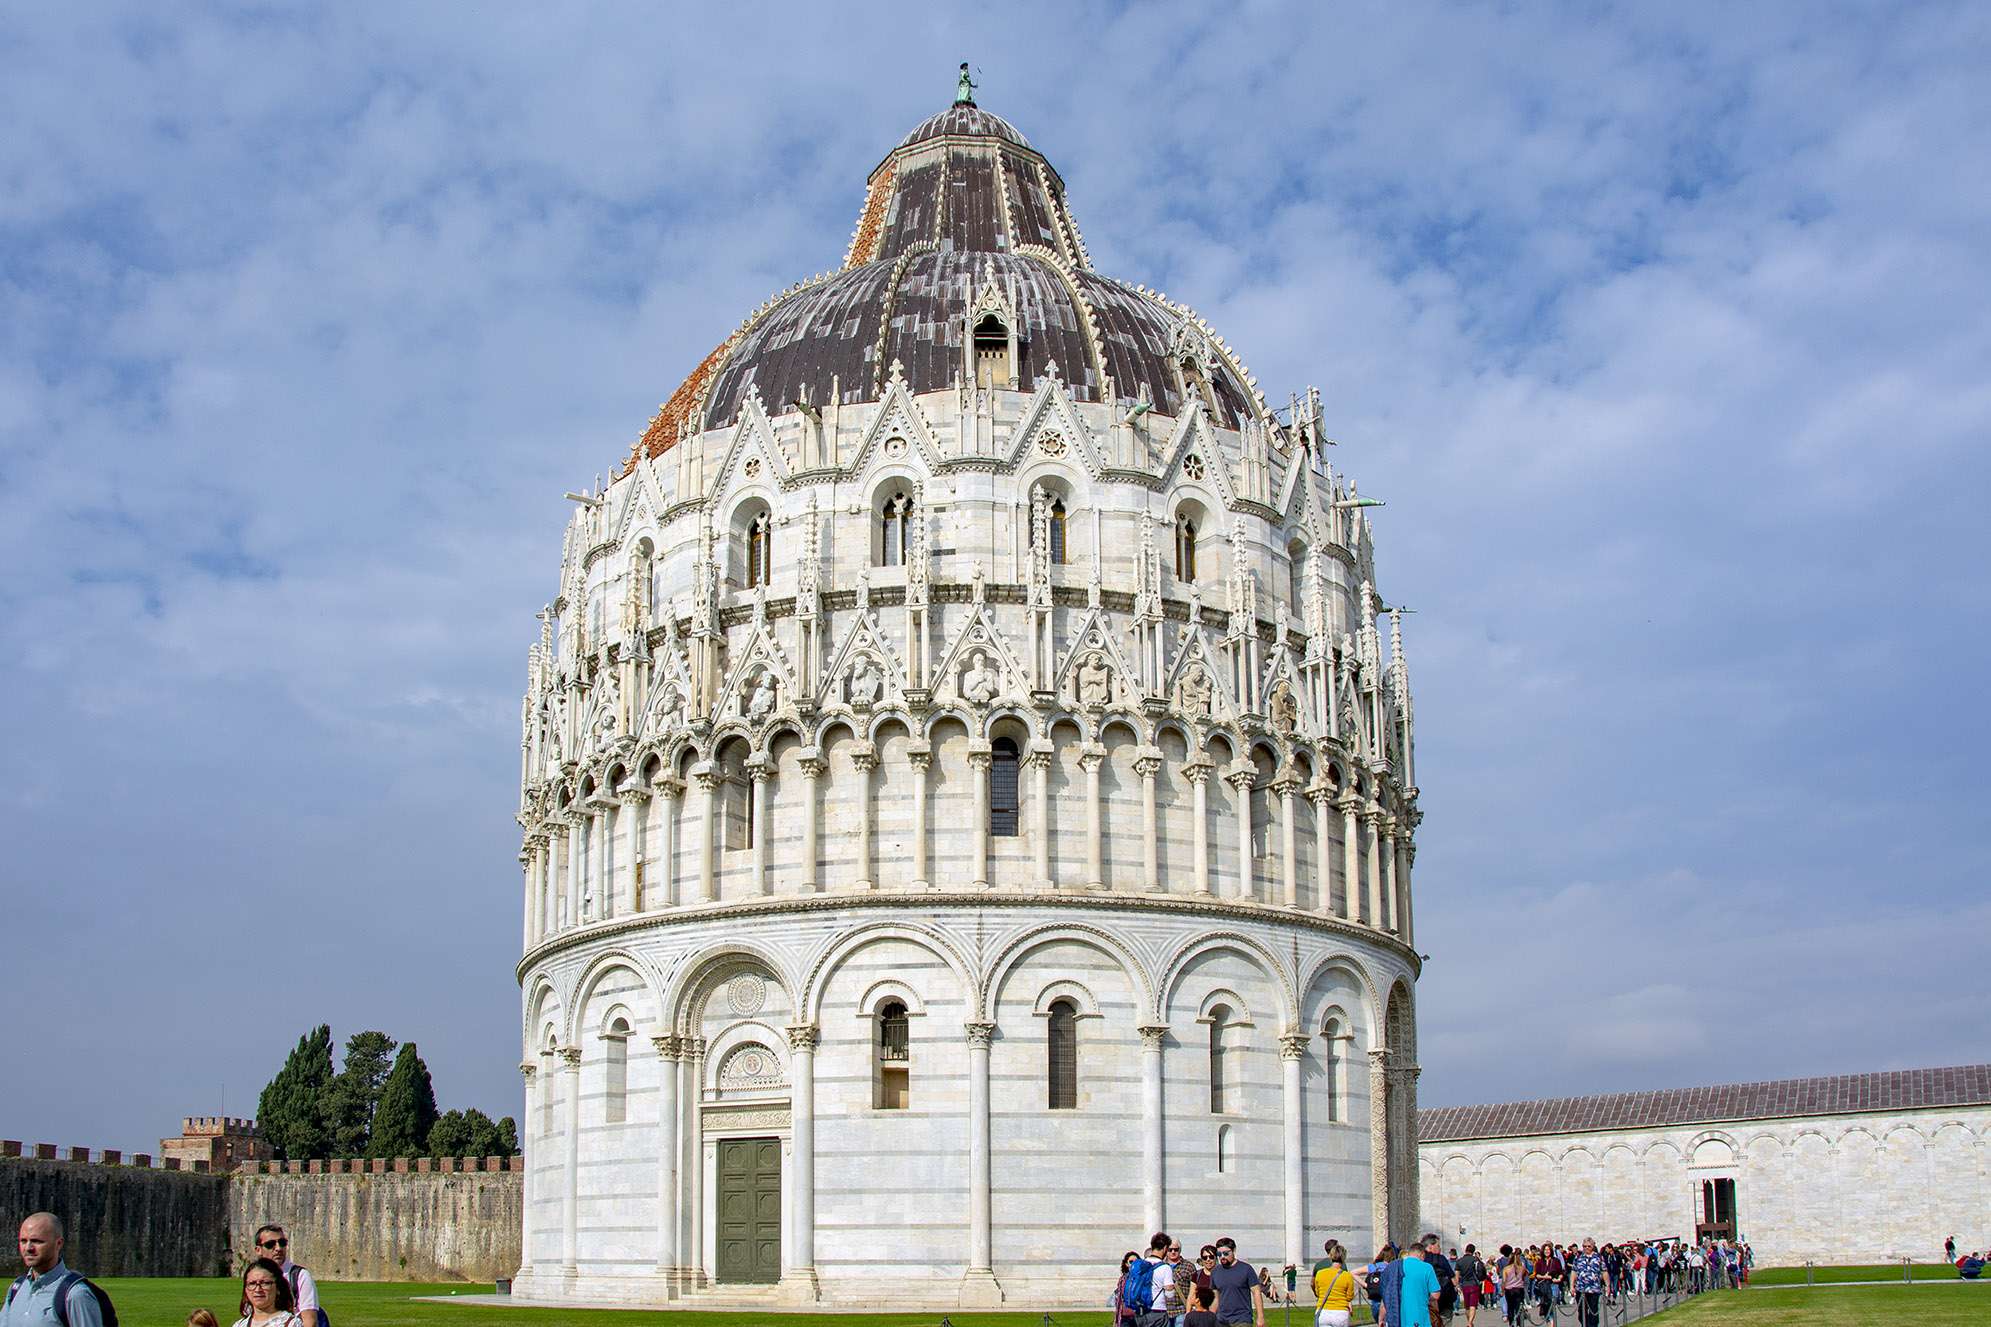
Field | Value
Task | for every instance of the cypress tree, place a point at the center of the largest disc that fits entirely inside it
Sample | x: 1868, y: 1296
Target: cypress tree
x: 407, y: 1109
x: 355, y: 1093
x: 293, y: 1107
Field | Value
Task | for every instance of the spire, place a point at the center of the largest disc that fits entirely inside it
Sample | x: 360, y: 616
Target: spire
x: 965, y: 94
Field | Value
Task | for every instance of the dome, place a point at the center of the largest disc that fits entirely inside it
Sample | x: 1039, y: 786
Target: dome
x: 961, y: 209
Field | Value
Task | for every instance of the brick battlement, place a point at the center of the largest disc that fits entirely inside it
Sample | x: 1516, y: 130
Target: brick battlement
x: 338, y: 1166
x: 217, y: 1126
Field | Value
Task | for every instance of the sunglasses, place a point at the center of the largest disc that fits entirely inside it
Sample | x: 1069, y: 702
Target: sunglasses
x: 276, y: 1243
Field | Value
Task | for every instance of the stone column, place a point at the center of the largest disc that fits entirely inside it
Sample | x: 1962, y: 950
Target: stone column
x: 1322, y: 798
x: 1351, y: 861
x: 760, y: 776
x: 709, y: 778
x: 1039, y: 762
x: 533, y: 1158
x: 535, y: 846
x: 1148, y: 765
x: 577, y: 837
x: 1241, y: 777
x: 1377, y: 918
x: 1154, y: 1209
x: 1292, y: 1048
x: 691, y: 1182
x: 978, y: 1287
x: 666, y: 892
x: 865, y: 758
x: 800, y: 1277
x: 1379, y: 1145
x: 920, y: 756
x: 635, y: 806
x: 570, y: 1199
x: 813, y: 765
x: 1091, y: 757
x: 667, y: 1157
x: 979, y: 762
x: 1406, y: 853
x: 1289, y: 833
x: 1198, y: 773
x: 1386, y: 866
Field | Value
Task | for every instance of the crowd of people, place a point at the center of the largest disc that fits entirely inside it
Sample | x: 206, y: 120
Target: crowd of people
x: 276, y: 1292
x: 1420, y: 1285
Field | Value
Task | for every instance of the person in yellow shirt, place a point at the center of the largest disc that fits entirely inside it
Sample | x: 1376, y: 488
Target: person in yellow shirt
x: 1334, y: 1290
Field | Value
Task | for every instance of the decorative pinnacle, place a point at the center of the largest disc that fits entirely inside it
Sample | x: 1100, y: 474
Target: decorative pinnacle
x: 965, y: 94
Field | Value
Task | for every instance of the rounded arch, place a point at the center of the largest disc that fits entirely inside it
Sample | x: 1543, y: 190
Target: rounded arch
x: 748, y: 1031
x: 1364, y: 984
x: 697, y: 970
x: 998, y: 715
x: 616, y: 1021
x: 891, y: 712
x: 591, y: 976
x: 851, y: 941
x: 1236, y: 1012
x: 1250, y: 948
x: 541, y: 1009
x: 1400, y: 1022
x: 880, y: 993
x: 1098, y: 937
x: 750, y: 537
x: 1077, y: 994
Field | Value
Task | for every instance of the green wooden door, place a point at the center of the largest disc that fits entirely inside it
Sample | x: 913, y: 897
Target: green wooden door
x: 750, y: 1211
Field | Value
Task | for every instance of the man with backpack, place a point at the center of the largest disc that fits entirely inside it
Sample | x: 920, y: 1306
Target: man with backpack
x: 273, y: 1244
x: 49, y: 1292
x: 1471, y: 1271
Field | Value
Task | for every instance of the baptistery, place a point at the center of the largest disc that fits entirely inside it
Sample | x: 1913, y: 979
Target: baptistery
x: 968, y: 795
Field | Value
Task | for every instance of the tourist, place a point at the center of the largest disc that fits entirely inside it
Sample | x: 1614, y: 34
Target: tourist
x: 1448, y: 1291
x: 1123, y: 1313
x: 1410, y: 1291
x: 1239, y: 1298
x: 1334, y: 1289
x: 1589, y: 1281
x: 1204, y: 1314
x: 1181, y: 1282
x: 1513, y: 1281
x: 266, y: 1298
x: 31, y: 1298
x: 1471, y: 1271
x: 1152, y: 1309
x: 1206, y: 1262
x: 303, y: 1290
x: 202, y: 1318
x: 1949, y: 1249
x: 1372, y: 1280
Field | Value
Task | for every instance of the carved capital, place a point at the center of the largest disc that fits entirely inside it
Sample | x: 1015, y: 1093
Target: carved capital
x: 760, y: 769
x: 1293, y: 1045
x: 667, y: 1047
x: 813, y: 766
x: 1241, y: 778
x: 1147, y: 766
x: 571, y: 1058
x: 634, y: 796
x: 528, y: 1068
x: 979, y: 761
x: 669, y: 788
x: 803, y: 1037
x: 1152, y: 1036
x: 920, y: 757
x: 979, y: 1034
x: 1090, y: 760
x: 1035, y: 758
x: 708, y: 776
x: 865, y: 757
x: 1198, y: 771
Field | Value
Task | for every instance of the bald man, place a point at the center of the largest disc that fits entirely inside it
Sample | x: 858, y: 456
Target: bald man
x: 50, y: 1293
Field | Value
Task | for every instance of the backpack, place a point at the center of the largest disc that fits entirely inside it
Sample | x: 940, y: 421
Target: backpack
x: 324, y: 1318
x: 63, y: 1285
x: 1138, y: 1294
x: 1372, y: 1282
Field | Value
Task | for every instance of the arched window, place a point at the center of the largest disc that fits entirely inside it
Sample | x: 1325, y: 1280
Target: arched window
x: 894, y: 1055
x: 1226, y: 1149
x: 548, y: 1088
x: 1057, y: 532
x: 1002, y: 788
x: 992, y: 366
x: 1296, y: 577
x: 1334, y: 1070
x: 615, y: 1093
x: 759, y: 546
x: 1062, y: 1053
x: 1185, y: 549
x: 895, y: 525
x: 1221, y: 1091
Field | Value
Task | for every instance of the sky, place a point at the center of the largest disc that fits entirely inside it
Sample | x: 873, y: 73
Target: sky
x: 1660, y: 329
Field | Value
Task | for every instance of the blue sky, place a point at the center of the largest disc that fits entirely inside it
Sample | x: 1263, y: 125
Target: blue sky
x: 1662, y: 330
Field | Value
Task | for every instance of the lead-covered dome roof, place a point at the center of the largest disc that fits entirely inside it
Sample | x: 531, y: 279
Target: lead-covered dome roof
x: 962, y: 215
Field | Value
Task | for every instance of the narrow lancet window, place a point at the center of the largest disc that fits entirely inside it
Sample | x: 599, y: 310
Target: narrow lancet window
x: 1062, y: 1051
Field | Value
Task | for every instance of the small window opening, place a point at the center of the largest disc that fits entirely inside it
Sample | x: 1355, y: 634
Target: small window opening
x: 1063, y: 1055
x: 1002, y: 788
x: 1220, y: 1088
x: 615, y: 1097
x: 1058, y: 533
x: 992, y: 366
x: 759, y: 543
x: 1226, y: 1149
x: 1333, y: 1071
x: 897, y: 519
x: 1185, y: 550
x: 1296, y: 577
x: 894, y: 1057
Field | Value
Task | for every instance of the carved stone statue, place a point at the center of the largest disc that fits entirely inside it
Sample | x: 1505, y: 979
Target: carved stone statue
x: 761, y: 704
x: 980, y: 683
x: 1196, y: 691
x: 1095, y: 682
x: 1285, y: 710
x: 667, y: 712
x: 866, y: 682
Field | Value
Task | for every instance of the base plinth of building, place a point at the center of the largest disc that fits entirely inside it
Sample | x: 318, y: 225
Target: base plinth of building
x: 980, y: 1290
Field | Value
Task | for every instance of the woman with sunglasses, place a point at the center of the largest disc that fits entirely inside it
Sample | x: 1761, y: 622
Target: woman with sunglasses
x: 266, y: 1300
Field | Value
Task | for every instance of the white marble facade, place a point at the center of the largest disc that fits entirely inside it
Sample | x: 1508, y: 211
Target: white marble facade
x: 798, y: 661
x: 1829, y: 1188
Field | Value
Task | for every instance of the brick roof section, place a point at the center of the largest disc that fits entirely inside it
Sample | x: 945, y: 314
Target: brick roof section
x: 1848, y: 1094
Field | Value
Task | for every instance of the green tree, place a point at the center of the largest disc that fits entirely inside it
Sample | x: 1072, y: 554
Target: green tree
x: 355, y: 1093
x: 471, y: 1133
x: 407, y: 1109
x: 507, y: 1138
x: 292, y: 1108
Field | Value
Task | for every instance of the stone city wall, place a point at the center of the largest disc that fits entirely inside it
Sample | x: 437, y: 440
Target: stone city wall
x: 419, y: 1219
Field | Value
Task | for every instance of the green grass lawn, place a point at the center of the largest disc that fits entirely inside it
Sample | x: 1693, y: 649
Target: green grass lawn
x: 166, y: 1302
x: 1794, y: 1276
x: 1960, y: 1304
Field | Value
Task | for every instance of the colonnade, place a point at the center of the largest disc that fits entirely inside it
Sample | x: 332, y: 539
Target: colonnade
x: 576, y: 876
x: 681, y: 1207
